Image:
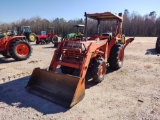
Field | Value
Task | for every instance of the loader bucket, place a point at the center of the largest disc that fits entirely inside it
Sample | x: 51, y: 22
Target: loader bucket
x: 63, y: 89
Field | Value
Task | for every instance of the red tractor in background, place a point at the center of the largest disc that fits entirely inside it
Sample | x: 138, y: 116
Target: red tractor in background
x: 47, y: 38
x: 15, y: 46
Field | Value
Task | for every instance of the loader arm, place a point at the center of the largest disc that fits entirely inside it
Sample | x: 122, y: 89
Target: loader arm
x: 129, y: 40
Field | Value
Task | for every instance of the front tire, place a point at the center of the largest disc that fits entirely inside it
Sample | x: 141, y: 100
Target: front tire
x: 116, y: 57
x: 20, y: 50
x: 99, y: 70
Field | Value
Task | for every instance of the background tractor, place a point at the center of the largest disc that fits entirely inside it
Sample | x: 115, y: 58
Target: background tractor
x: 26, y: 31
x: 158, y: 45
x: 48, y: 37
x: 76, y: 34
x: 15, y: 46
x: 1, y: 31
x: 75, y: 57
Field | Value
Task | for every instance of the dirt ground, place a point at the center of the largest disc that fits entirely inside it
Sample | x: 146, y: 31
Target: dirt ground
x: 130, y: 93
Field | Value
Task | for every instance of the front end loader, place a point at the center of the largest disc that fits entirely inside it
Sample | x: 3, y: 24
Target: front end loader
x: 77, y: 56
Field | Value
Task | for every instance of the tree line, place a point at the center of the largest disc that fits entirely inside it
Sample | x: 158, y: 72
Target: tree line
x: 134, y: 24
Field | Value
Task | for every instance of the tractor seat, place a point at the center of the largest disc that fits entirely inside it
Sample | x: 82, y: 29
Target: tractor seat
x: 108, y: 35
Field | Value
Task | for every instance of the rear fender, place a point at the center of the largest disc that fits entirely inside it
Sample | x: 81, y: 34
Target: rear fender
x: 3, y: 43
x: 11, y: 39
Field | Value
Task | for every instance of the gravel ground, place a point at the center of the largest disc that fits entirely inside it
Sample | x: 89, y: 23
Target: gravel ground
x: 132, y: 92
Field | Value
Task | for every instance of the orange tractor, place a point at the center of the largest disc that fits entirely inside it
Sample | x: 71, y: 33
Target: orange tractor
x: 75, y: 57
x: 15, y: 47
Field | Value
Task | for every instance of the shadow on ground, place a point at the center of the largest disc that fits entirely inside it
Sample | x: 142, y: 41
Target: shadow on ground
x: 44, y: 46
x: 49, y: 47
x: 6, y: 60
x: 13, y: 93
x: 151, y: 52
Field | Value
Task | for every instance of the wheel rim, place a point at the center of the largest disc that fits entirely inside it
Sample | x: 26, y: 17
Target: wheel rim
x: 121, y: 55
x: 101, y: 71
x: 32, y: 37
x: 22, y: 50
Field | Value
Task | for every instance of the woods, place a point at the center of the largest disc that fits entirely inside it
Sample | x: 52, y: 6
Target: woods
x: 134, y: 24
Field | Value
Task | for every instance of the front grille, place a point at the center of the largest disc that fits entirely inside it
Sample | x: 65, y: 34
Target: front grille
x: 75, y: 56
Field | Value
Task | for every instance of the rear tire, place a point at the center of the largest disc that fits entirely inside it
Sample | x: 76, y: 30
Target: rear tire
x: 20, y: 50
x: 54, y: 39
x: 32, y: 37
x: 116, y: 57
x: 99, y: 70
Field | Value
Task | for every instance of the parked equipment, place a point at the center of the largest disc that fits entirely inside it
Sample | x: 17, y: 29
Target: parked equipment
x: 74, y: 35
x: 26, y: 31
x: 1, y: 31
x: 75, y: 57
x: 15, y: 47
x: 158, y: 45
x: 47, y: 38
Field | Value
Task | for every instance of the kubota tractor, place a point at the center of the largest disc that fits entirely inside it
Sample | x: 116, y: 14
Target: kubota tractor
x: 15, y: 47
x: 75, y: 57
x: 47, y: 38
x: 158, y: 45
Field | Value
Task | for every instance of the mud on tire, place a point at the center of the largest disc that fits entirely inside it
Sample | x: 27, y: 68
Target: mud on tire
x: 116, y: 57
x: 20, y: 50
